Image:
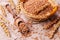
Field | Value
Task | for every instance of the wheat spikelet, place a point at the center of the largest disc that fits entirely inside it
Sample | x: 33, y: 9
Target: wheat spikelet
x: 52, y: 30
x: 5, y: 28
x: 18, y: 7
x: 6, y: 21
x: 51, y: 22
x: 3, y: 10
x: 2, y: 18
